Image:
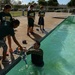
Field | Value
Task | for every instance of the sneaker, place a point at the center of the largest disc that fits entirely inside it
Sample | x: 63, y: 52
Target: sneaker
x: 32, y: 33
x: 7, y: 54
x: 5, y: 61
x: 28, y: 34
x: 37, y: 29
x: 44, y: 29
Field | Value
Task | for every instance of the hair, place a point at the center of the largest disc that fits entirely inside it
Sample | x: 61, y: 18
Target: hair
x: 7, y: 6
x: 38, y: 43
x: 16, y: 22
x: 31, y: 6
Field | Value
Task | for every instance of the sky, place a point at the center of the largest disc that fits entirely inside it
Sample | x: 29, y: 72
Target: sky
x: 59, y: 1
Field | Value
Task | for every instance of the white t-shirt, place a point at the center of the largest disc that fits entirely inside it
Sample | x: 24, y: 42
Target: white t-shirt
x: 28, y: 8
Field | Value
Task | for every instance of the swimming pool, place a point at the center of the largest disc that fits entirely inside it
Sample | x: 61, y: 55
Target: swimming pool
x: 59, y: 51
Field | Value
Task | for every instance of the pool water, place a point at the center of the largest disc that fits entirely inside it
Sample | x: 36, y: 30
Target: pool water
x: 59, y: 52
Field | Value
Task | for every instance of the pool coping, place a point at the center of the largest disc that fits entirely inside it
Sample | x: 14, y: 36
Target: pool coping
x: 53, y: 29
x: 6, y: 70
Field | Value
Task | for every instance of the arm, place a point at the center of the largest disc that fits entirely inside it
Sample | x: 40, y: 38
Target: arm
x: 34, y: 15
x: 0, y: 22
x: 9, y: 41
x: 44, y: 13
x: 15, y: 40
x: 40, y: 52
x: 39, y: 13
x: 0, y: 18
x: 31, y: 17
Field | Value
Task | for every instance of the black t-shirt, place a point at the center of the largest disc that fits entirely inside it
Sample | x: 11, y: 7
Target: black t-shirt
x: 5, y: 31
x: 37, y: 57
x: 41, y: 13
x: 31, y: 13
x: 5, y: 18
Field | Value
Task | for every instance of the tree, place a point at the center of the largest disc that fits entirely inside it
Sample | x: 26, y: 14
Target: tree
x: 55, y: 1
x: 3, y: 2
x: 41, y: 2
x: 19, y: 2
x: 33, y: 2
x: 52, y: 3
x: 6, y: 1
x: 71, y: 3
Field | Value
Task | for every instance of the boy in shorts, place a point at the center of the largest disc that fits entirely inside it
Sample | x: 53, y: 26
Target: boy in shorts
x: 31, y: 17
x: 8, y: 31
x: 6, y: 19
x: 41, y: 15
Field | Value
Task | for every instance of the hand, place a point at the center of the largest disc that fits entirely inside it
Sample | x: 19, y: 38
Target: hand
x: 20, y: 48
x: 24, y: 49
x: 10, y: 50
x: 33, y: 18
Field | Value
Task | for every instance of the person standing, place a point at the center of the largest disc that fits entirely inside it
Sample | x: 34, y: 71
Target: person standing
x: 28, y: 8
x: 5, y: 31
x: 6, y: 19
x: 41, y: 15
x: 30, y: 17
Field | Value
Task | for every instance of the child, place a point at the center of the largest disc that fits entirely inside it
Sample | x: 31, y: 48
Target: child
x: 41, y: 15
x: 5, y: 31
x: 31, y: 16
x: 36, y: 58
x: 6, y: 19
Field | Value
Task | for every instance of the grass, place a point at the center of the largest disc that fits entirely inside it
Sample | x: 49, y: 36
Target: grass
x: 17, y: 13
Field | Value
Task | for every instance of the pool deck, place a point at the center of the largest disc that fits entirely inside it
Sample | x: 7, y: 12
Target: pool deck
x: 52, y: 19
x: 50, y: 23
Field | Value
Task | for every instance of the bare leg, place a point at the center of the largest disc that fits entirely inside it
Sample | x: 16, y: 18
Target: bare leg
x: 4, y: 51
x: 28, y: 29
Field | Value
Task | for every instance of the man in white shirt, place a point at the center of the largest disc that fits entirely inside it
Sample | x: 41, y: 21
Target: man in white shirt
x: 28, y: 7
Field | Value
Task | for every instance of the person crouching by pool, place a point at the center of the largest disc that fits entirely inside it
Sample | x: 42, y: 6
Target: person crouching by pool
x: 36, y: 58
x: 5, y: 31
x: 30, y: 17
